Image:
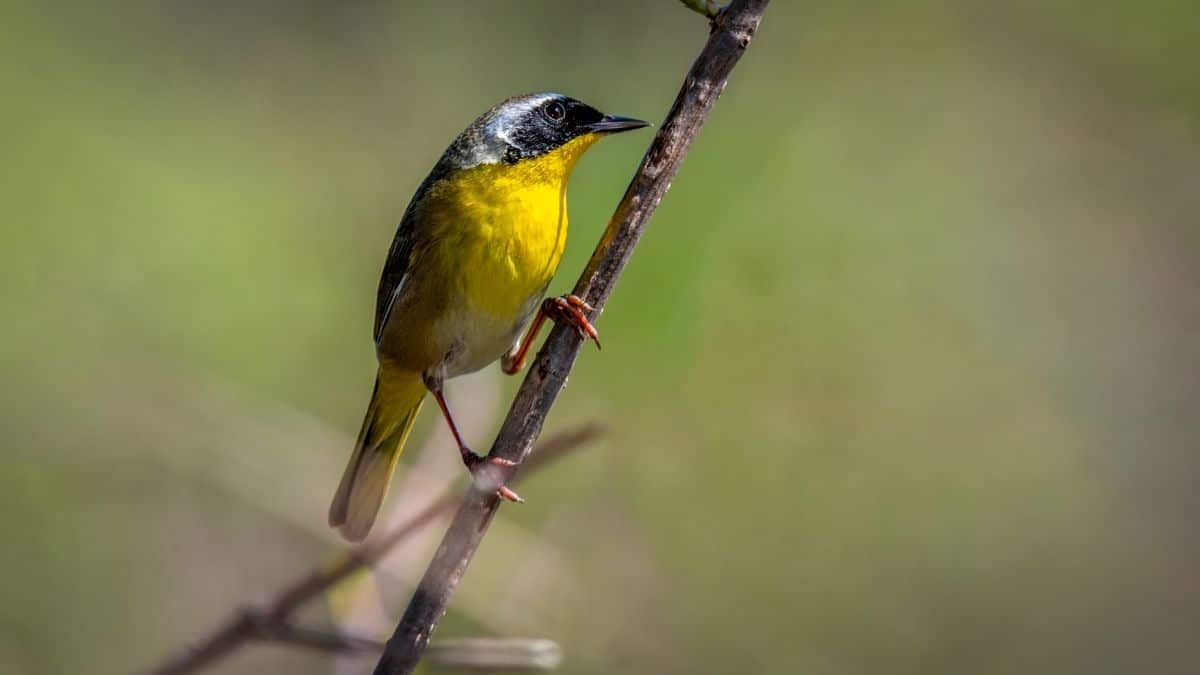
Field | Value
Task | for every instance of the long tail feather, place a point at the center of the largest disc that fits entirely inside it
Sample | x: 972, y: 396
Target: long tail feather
x: 394, y: 406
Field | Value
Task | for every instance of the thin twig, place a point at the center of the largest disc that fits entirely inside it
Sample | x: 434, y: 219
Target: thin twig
x: 272, y: 618
x: 495, y: 653
x: 732, y: 30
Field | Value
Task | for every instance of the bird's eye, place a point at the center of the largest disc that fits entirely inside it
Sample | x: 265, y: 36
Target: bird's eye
x: 555, y: 111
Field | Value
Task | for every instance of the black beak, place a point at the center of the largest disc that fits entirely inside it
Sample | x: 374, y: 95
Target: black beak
x: 611, y: 124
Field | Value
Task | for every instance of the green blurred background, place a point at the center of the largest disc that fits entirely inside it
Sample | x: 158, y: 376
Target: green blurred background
x: 903, y: 378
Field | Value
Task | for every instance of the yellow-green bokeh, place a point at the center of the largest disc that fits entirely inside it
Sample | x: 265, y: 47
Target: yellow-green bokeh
x: 902, y: 378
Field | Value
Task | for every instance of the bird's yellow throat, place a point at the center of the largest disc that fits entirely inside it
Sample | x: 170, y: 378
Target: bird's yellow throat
x: 509, y: 224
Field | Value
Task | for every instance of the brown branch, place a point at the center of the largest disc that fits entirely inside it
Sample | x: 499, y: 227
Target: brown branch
x: 272, y: 618
x: 732, y: 30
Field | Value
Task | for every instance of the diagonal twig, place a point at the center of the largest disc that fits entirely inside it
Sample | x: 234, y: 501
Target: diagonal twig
x: 732, y: 30
x: 271, y: 619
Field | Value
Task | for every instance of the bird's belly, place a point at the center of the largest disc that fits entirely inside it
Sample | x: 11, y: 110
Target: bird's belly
x: 487, y: 314
x: 501, y: 258
x: 479, y: 339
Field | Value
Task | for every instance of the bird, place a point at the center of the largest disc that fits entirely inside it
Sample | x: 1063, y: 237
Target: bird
x: 465, y: 279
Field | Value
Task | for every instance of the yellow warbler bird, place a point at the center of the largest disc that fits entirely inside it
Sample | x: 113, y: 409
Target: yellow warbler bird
x: 467, y: 271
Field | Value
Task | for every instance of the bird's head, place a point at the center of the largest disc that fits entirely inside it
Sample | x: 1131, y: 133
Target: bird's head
x: 533, y: 126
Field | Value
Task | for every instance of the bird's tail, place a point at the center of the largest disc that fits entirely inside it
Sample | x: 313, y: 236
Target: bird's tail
x: 394, y: 406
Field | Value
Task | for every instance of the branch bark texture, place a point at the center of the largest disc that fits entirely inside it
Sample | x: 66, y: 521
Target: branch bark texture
x: 732, y: 30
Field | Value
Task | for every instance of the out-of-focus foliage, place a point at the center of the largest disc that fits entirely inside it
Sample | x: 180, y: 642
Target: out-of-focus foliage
x: 902, y: 379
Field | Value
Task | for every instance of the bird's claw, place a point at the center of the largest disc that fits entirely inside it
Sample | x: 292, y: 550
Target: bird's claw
x: 505, y: 492
x: 574, y: 311
x: 473, y: 461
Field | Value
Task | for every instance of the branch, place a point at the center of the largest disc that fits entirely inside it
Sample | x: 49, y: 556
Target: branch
x: 272, y: 619
x: 732, y: 30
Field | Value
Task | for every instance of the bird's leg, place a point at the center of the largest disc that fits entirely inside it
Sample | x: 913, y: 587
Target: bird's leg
x: 514, y: 360
x: 570, y: 309
x: 469, y: 458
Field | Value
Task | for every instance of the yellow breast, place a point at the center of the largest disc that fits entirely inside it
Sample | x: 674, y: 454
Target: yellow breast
x: 502, y: 229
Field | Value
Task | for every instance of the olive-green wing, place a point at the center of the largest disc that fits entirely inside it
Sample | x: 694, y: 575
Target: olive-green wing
x: 400, y: 255
x: 395, y: 270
